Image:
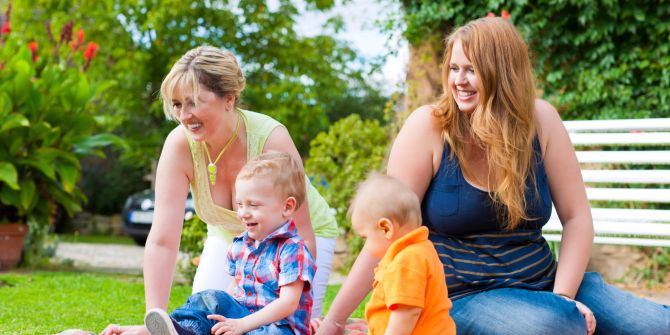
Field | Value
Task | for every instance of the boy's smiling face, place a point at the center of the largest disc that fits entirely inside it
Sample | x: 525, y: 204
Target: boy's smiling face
x: 260, y: 207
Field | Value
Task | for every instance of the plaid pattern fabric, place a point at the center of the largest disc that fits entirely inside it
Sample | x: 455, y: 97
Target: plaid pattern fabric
x: 259, y: 272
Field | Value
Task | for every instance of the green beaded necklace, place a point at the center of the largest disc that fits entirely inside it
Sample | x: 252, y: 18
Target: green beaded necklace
x: 211, y: 167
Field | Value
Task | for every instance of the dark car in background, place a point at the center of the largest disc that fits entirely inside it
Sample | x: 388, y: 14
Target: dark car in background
x: 138, y: 214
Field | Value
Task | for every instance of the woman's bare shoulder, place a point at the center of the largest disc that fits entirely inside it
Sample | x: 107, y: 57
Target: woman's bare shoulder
x: 548, y: 123
x: 176, y: 147
x: 424, y: 119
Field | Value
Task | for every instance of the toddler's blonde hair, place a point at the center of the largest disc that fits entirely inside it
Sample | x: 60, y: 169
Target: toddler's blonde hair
x: 382, y: 196
x: 285, y: 173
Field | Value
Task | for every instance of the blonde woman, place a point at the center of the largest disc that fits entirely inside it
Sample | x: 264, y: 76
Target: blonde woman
x: 487, y: 161
x: 205, y: 151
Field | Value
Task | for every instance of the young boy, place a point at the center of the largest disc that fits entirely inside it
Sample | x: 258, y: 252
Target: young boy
x: 270, y: 263
x: 410, y: 291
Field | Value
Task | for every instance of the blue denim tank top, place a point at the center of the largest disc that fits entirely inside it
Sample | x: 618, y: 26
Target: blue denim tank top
x: 466, y: 231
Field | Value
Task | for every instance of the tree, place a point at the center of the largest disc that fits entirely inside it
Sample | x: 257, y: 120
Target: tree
x: 301, y: 81
x: 605, y: 59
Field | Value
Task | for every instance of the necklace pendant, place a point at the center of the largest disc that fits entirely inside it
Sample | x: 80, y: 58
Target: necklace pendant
x: 211, y: 168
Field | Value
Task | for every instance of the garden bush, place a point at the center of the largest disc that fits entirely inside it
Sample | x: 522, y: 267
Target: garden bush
x: 341, y: 158
x: 45, y: 128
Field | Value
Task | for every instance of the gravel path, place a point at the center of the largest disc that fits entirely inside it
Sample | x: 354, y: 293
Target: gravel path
x: 103, y: 257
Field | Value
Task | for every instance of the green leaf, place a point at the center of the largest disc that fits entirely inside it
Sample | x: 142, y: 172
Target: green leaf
x: 42, y: 164
x: 8, y: 175
x: 28, y: 193
x: 82, y: 91
x: 87, y: 145
x: 21, y: 82
x: 5, y: 104
x: 69, y: 176
x: 10, y: 197
x: 14, y: 121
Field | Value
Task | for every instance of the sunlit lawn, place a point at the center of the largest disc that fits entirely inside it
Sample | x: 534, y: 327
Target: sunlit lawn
x: 44, y: 302
x: 100, y: 239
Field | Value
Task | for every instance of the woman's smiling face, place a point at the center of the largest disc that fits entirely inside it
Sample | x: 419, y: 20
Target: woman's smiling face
x: 202, y: 117
x: 463, y: 81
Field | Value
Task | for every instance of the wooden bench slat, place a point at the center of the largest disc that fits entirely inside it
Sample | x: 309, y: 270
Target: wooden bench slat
x: 630, y: 215
x: 618, y: 125
x: 627, y: 176
x: 653, y: 138
x: 598, y: 143
x: 619, y: 228
x: 634, y: 157
x: 629, y: 194
x: 647, y: 242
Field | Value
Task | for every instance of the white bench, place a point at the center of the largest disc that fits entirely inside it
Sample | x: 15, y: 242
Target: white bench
x: 638, y: 177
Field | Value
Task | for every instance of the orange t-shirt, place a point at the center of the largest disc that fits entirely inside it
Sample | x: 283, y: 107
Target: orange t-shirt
x: 411, y: 274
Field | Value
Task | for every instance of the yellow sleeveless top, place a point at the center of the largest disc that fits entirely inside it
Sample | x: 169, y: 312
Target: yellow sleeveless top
x: 224, y: 222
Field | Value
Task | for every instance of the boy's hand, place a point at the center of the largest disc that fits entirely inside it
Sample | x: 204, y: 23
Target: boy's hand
x: 125, y: 330
x: 228, y: 326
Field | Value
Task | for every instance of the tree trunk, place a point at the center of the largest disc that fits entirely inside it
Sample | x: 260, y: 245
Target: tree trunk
x: 424, y: 72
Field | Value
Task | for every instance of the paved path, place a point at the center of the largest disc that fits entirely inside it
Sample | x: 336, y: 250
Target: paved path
x: 129, y: 259
x: 103, y: 257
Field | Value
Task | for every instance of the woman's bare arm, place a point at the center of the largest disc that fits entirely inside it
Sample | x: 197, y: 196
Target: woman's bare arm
x: 569, y: 197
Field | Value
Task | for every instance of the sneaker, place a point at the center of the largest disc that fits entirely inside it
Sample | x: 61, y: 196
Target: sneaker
x: 159, y: 322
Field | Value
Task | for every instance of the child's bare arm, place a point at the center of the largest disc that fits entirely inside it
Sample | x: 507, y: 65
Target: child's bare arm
x: 231, y: 288
x: 285, y: 305
x: 403, y: 320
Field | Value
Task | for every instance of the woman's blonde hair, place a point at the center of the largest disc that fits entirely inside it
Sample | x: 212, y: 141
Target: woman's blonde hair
x: 214, y: 68
x: 503, y: 122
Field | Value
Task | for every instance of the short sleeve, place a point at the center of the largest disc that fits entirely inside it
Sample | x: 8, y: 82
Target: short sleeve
x: 405, y: 280
x: 295, y: 263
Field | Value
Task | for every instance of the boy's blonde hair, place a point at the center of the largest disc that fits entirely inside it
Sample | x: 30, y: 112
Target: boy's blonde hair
x: 285, y: 173
x: 382, y: 196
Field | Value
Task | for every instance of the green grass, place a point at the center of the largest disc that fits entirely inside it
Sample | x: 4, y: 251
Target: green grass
x: 44, y: 302
x: 99, y: 239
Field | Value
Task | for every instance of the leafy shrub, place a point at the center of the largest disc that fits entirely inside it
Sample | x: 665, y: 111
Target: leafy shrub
x: 340, y: 159
x: 193, y: 237
x: 45, y: 129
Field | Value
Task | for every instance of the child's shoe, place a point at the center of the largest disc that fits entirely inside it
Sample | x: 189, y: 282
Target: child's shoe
x: 159, y: 322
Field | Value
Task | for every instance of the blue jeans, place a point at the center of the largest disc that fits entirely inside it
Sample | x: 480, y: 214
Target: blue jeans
x: 192, y: 316
x: 520, y: 311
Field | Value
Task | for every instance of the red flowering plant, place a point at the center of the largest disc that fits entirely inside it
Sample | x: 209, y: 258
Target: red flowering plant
x: 46, y: 126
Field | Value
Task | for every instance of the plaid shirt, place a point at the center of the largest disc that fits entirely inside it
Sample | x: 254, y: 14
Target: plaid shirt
x: 259, y: 272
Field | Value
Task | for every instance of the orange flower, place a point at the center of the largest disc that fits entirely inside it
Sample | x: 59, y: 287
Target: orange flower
x: 79, y: 41
x: 505, y: 14
x: 91, y: 49
x: 33, y: 50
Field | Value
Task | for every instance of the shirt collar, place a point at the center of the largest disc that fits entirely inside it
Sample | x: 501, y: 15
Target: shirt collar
x: 415, y: 236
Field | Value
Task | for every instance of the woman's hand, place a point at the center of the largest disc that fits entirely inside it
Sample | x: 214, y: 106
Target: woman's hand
x: 586, y: 313
x: 326, y: 327
x: 588, y: 316
x: 125, y: 330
